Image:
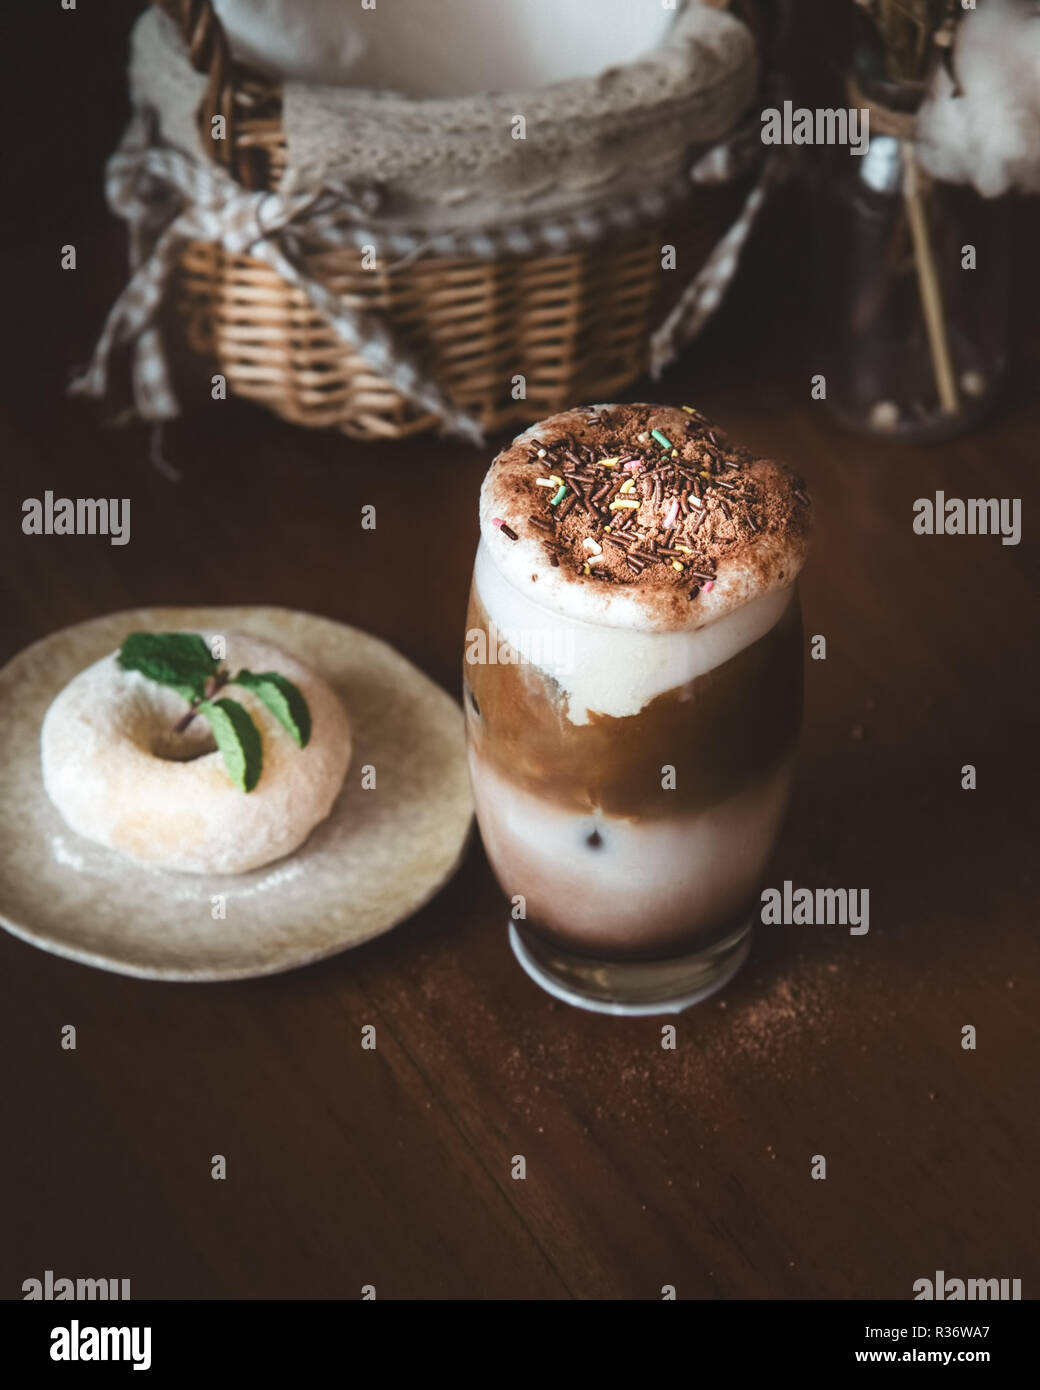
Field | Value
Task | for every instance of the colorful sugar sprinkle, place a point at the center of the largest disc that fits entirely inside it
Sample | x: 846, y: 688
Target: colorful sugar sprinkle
x: 662, y: 439
x: 560, y: 495
x: 506, y: 530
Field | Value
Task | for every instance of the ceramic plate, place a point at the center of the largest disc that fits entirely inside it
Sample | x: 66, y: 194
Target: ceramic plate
x: 380, y: 855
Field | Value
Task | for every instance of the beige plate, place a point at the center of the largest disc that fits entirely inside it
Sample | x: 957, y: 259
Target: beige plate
x: 379, y: 857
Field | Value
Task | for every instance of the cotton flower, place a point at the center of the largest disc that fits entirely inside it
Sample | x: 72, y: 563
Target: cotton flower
x: 988, y: 133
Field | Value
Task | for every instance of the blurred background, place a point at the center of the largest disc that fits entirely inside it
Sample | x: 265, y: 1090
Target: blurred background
x: 832, y: 268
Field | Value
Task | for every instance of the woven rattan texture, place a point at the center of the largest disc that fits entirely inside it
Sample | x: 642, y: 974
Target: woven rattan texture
x: 575, y: 326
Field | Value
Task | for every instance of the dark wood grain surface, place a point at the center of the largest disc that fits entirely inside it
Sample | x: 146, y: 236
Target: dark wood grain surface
x: 645, y: 1167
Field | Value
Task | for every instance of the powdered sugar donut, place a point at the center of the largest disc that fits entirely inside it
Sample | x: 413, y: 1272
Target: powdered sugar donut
x: 120, y: 775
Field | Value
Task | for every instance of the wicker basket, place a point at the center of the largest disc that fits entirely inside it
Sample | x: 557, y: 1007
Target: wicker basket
x: 576, y: 324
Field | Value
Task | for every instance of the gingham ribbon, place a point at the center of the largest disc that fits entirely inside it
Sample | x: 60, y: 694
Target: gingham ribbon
x: 703, y: 295
x: 169, y: 199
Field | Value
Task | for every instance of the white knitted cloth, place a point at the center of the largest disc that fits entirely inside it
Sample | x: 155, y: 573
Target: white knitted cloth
x: 457, y: 164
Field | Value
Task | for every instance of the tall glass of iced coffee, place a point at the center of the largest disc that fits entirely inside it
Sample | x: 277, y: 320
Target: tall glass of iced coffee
x: 633, y: 688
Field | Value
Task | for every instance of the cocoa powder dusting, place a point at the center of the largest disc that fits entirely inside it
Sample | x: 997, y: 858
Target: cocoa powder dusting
x: 649, y: 496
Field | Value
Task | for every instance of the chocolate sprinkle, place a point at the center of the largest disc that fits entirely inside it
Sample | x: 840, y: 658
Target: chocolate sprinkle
x: 683, y: 512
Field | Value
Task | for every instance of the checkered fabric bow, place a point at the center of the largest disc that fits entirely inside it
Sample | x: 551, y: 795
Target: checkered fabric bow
x: 703, y: 295
x: 169, y: 199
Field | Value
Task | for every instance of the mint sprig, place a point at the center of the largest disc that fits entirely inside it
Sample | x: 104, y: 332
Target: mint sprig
x: 283, y: 700
x: 185, y: 663
x: 238, y: 739
x: 178, y: 659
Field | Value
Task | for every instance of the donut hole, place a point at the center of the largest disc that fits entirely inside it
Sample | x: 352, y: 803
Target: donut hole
x: 194, y: 742
x: 148, y: 717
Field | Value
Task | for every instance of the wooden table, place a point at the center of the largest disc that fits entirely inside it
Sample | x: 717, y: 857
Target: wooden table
x: 645, y: 1167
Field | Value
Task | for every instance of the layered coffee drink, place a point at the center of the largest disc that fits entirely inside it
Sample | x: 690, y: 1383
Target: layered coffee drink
x: 633, y: 688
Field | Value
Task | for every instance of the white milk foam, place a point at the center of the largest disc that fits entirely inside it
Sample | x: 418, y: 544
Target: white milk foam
x: 615, y: 670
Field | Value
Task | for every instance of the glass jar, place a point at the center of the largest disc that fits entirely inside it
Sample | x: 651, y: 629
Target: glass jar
x: 912, y: 284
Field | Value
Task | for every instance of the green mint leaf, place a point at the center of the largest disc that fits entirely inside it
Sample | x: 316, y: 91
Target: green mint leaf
x: 237, y: 738
x: 282, y: 698
x: 178, y: 659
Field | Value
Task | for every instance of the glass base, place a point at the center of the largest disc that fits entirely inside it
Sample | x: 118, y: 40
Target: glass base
x: 631, y: 987
x: 929, y: 428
